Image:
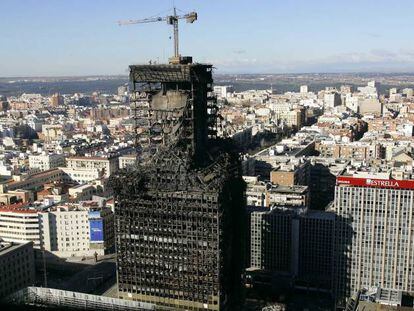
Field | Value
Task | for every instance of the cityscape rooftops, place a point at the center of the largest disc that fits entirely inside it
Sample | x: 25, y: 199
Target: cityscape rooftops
x: 92, y: 158
x: 19, y: 208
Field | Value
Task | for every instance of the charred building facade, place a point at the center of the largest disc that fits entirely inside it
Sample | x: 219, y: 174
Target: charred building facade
x: 179, y: 211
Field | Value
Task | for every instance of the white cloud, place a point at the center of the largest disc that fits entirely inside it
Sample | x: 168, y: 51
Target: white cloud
x: 373, y: 60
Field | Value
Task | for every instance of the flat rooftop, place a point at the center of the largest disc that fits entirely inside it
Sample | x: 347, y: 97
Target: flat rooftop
x: 297, y: 189
x: 7, y: 247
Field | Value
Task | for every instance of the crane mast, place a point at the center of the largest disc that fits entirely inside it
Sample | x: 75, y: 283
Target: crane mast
x: 171, y: 20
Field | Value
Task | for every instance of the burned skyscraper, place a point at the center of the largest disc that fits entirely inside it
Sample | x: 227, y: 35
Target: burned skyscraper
x: 179, y: 211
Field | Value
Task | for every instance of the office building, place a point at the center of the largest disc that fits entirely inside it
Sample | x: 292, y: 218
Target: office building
x: 17, y: 268
x: 331, y: 100
x: 179, y: 216
x: 19, y: 225
x: 72, y: 230
x: 77, y: 230
x: 375, y: 233
x: 295, y: 244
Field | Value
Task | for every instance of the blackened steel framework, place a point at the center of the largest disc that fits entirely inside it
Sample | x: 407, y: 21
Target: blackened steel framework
x: 179, y: 213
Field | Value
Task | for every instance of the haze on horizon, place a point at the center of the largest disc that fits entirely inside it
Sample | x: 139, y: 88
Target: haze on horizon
x: 63, y: 38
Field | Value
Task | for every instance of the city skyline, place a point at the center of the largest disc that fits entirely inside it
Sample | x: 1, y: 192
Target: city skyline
x: 293, y: 37
x: 263, y: 161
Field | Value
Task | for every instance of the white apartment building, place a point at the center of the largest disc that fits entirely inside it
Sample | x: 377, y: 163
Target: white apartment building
x: 75, y: 230
x: 370, y: 90
x: 375, y: 236
x: 81, y: 176
x: 127, y: 160
x: 106, y: 166
x: 222, y: 91
x: 352, y: 102
x: 304, y: 89
x: 332, y: 100
x: 46, y: 161
x: 287, y: 113
x: 19, y: 225
x: 65, y: 231
x: 409, y: 92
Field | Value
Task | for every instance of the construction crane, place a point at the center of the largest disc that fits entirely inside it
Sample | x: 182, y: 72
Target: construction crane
x: 171, y: 20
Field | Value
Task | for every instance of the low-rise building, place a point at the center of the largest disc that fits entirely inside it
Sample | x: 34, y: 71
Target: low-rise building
x: 289, y: 196
x: 127, y: 160
x: 46, y: 162
x: 355, y: 150
x: 52, y: 132
x: 81, y: 192
x: 33, y: 181
x: 377, y: 298
x: 107, y: 166
x: 290, y: 173
x: 81, y: 175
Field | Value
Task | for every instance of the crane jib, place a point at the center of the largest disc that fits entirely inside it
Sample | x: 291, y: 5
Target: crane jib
x: 171, y: 20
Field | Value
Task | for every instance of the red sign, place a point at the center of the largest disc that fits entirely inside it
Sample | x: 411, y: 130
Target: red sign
x: 373, y: 182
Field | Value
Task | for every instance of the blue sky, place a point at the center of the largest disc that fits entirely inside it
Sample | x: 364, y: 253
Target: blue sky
x: 81, y: 37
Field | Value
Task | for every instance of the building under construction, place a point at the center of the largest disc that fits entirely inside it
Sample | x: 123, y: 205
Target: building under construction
x: 180, y: 210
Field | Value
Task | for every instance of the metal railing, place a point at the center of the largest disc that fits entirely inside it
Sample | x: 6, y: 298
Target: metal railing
x: 40, y: 296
